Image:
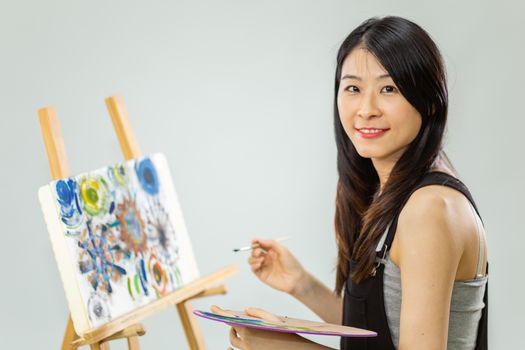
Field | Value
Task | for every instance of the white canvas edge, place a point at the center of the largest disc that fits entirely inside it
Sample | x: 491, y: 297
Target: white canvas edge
x: 67, y: 270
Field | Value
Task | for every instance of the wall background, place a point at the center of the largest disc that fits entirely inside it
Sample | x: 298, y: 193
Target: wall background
x: 238, y: 95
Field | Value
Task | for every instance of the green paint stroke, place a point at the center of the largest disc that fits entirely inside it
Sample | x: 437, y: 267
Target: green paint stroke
x: 137, y: 285
x: 129, y: 289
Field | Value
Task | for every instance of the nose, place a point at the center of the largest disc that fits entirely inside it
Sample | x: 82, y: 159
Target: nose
x: 368, y: 107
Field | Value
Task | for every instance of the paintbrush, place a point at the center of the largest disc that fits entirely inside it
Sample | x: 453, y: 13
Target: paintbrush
x: 256, y: 245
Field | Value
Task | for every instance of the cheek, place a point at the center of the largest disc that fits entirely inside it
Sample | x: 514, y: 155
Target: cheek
x: 340, y: 108
x: 407, y: 121
x: 415, y: 127
x: 345, y: 116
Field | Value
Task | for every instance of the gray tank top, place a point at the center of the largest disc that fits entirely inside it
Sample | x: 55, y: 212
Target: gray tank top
x: 465, y: 308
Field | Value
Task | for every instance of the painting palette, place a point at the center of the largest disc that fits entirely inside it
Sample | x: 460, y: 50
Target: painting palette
x: 119, y: 239
x: 285, y: 324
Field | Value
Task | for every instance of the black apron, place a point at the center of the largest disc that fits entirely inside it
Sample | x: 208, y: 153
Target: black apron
x: 364, y: 305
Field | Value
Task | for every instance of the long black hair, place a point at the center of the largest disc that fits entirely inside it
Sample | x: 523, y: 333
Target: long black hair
x: 415, y: 64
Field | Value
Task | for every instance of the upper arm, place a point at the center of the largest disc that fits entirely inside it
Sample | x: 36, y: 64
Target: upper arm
x: 429, y: 252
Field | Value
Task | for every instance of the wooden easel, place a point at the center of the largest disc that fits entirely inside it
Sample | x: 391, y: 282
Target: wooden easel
x: 126, y: 326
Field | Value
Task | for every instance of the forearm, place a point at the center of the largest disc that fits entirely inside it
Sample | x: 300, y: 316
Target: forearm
x: 320, y: 299
x: 288, y: 341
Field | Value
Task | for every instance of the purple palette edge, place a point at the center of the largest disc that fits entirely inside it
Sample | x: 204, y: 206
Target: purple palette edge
x: 208, y: 316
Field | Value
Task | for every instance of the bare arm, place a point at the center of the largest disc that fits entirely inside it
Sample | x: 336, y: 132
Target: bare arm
x: 320, y: 299
x: 429, y: 254
x: 248, y: 338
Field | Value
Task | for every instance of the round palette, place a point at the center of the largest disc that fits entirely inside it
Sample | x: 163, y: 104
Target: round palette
x: 286, y: 324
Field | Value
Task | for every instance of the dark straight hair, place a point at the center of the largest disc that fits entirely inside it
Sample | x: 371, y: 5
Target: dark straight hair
x: 413, y: 61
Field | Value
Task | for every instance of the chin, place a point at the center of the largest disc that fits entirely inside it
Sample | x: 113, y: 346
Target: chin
x: 368, y: 153
x: 381, y: 154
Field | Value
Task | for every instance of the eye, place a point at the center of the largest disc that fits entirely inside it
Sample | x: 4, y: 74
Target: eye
x: 389, y: 89
x: 352, y: 88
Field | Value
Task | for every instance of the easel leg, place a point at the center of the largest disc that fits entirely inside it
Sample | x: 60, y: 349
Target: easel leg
x: 69, y: 336
x: 191, y: 327
x: 100, y: 346
x: 133, y: 343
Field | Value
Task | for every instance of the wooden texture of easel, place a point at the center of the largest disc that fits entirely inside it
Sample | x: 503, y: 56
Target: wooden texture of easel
x: 126, y: 326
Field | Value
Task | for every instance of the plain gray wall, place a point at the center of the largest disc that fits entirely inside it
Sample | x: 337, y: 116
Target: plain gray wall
x: 238, y: 95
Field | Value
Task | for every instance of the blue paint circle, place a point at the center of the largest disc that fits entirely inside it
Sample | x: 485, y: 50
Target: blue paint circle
x: 65, y: 197
x: 147, y: 175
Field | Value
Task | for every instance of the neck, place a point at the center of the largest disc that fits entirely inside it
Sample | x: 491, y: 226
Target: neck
x: 383, y: 168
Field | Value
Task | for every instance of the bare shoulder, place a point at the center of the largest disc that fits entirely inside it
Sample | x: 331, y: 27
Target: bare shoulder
x: 436, y: 203
x: 435, y: 221
x: 434, y: 200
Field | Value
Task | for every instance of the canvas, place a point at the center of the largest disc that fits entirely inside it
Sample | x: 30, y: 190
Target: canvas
x: 119, y: 239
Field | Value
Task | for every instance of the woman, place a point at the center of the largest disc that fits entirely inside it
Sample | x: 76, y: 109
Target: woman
x: 403, y: 221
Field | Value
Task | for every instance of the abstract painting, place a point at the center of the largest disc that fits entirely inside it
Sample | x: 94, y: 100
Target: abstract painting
x: 119, y: 239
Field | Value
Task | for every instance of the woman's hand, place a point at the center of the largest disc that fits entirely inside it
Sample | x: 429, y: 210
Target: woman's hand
x: 245, y: 338
x: 276, y: 266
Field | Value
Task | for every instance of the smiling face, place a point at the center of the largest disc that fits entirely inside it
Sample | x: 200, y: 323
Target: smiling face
x: 377, y: 118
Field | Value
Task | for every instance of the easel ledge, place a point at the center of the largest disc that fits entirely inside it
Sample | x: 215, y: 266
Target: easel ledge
x: 196, y: 289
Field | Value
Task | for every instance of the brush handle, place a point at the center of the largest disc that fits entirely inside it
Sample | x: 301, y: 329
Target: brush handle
x: 256, y: 245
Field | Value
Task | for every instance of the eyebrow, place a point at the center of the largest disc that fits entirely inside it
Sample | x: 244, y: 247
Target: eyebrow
x: 350, y: 76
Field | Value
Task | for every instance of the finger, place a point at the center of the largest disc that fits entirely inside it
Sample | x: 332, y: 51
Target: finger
x: 258, y: 253
x: 257, y: 263
x: 217, y: 310
x: 256, y: 268
x: 252, y: 260
x: 234, y: 338
x: 267, y: 244
x: 262, y: 314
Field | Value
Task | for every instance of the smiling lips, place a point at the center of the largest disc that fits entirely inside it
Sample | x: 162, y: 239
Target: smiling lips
x: 369, y: 133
